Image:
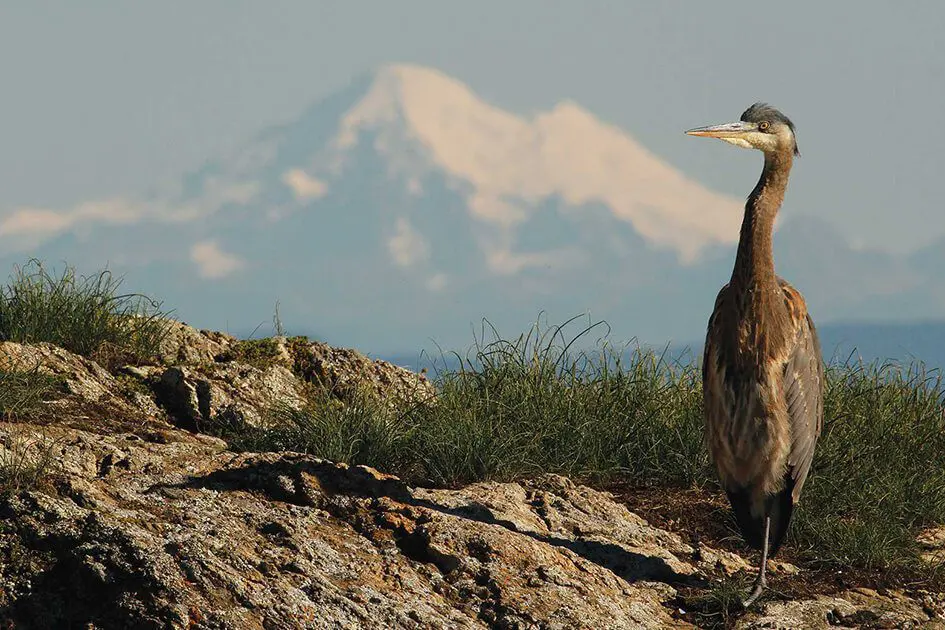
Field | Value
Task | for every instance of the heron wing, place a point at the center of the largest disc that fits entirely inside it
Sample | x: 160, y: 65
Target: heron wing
x: 712, y: 386
x: 712, y: 333
x: 804, y: 394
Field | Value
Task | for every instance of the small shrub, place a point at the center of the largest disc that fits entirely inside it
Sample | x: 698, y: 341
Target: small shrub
x: 260, y: 353
x: 85, y: 315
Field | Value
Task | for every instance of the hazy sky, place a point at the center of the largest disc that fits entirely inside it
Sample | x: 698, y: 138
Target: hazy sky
x: 102, y: 97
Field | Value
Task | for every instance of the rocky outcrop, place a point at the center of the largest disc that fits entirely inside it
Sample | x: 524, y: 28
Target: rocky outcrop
x: 203, y: 375
x: 85, y: 389
x: 184, y: 345
x: 345, y: 371
x: 204, y: 538
x: 195, y: 395
x: 140, y: 523
x: 856, y: 608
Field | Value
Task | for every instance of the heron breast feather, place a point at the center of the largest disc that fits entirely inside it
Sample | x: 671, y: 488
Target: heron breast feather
x: 748, y: 429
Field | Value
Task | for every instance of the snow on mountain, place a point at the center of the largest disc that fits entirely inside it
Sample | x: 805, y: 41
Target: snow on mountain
x: 422, y: 123
x: 513, y: 163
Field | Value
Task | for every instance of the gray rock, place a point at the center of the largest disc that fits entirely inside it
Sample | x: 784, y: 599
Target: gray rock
x: 343, y: 371
x: 185, y: 345
x: 194, y: 396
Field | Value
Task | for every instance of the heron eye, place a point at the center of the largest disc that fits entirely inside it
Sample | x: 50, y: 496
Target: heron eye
x: 763, y: 126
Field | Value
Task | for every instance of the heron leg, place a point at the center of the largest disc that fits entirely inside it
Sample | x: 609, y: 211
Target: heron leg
x: 760, y: 581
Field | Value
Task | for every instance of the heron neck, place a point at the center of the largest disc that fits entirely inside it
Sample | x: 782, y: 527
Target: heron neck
x: 754, y: 262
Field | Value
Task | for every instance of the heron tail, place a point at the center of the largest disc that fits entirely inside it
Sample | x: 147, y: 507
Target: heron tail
x: 778, y: 506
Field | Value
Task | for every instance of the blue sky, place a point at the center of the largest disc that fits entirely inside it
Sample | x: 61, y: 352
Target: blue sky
x: 105, y: 97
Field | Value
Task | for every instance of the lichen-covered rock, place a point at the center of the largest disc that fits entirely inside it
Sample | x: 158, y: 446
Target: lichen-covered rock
x: 859, y: 608
x: 932, y: 541
x: 343, y: 372
x: 82, y: 377
x: 170, y: 530
x: 194, y: 395
x: 185, y: 345
x: 87, y: 389
x: 147, y: 534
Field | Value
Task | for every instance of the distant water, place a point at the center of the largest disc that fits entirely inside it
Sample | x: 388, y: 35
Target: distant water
x: 899, y: 343
x: 451, y: 363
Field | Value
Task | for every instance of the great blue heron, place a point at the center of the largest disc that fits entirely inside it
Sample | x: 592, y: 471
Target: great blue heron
x: 763, y: 375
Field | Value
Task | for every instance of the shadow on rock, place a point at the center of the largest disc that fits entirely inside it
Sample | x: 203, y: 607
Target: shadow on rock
x: 305, y: 481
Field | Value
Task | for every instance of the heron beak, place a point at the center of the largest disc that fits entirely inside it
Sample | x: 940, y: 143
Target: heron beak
x: 728, y: 130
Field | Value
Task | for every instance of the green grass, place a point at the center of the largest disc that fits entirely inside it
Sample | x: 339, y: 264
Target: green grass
x: 720, y: 604
x: 260, y: 353
x: 26, y: 461
x: 531, y: 405
x: 360, y: 430
x: 528, y: 405
x: 266, y: 352
x: 83, y: 314
x: 518, y: 408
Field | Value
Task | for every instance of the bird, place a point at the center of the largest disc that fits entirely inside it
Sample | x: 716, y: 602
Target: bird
x: 762, y: 367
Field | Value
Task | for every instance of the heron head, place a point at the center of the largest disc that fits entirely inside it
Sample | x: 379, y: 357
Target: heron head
x: 760, y: 127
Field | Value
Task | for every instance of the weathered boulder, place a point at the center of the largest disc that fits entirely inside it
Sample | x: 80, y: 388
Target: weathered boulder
x: 86, y: 388
x: 343, y: 372
x: 185, y: 345
x: 82, y: 377
x: 859, y: 608
x: 217, y: 374
x: 194, y: 396
x: 182, y: 534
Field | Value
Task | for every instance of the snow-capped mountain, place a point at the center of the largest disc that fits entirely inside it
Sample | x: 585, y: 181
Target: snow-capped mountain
x: 404, y: 208
x: 425, y: 129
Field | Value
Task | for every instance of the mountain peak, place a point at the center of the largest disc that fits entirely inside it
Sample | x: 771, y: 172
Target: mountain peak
x: 569, y: 110
x: 426, y: 121
x: 406, y: 91
x: 408, y: 77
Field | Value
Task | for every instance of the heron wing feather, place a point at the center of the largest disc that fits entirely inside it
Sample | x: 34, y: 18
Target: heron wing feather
x: 713, y: 387
x: 804, y: 395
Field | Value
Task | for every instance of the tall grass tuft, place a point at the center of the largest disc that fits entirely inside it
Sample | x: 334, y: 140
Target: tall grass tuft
x: 83, y: 314
x: 515, y: 408
x: 534, y: 404
x: 362, y: 430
